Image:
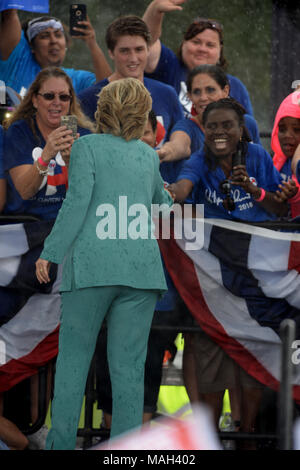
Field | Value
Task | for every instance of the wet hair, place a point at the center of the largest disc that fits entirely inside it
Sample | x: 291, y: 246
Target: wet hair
x: 214, y: 71
x: 198, y: 26
x: 27, y: 111
x: 123, y: 108
x: 232, y: 105
x: 126, y: 26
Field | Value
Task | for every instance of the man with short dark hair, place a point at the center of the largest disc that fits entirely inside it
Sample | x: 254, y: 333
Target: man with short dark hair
x: 127, y: 40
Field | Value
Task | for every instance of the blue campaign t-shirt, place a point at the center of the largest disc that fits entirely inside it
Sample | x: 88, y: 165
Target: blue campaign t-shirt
x: 207, y: 188
x: 286, y: 170
x: 21, y: 68
x: 172, y: 71
x: 171, y: 170
x: 22, y: 147
x: 165, y: 102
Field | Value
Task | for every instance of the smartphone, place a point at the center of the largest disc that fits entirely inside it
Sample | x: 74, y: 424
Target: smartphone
x: 71, y: 122
x: 77, y: 13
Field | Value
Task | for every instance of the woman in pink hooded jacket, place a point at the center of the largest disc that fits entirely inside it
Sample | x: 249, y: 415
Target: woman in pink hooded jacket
x: 285, y: 140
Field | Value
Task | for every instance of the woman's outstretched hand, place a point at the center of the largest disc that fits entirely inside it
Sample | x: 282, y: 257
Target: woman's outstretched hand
x: 42, y: 267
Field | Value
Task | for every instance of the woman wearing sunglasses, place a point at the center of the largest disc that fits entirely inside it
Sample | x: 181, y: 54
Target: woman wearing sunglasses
x: 202, y: 44
x: 37, y: 146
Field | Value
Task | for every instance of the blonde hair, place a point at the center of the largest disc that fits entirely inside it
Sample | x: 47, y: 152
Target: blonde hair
x: 122, y: 109
x: 27, y: 111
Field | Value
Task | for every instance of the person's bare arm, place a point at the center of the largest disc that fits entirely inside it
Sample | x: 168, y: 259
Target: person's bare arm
x: 181, y: 189
x: 153, y: 18
x: 178, y: 147
x: 102, y: 68
x: 10, y: 32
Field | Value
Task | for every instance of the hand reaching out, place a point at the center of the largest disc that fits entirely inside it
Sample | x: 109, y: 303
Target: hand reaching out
x: 42, y: 267
x: 166, y: 152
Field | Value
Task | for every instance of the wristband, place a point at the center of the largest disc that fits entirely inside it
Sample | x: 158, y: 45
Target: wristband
x: 41, y: 172
x: 41, y: 162
x: 262, y: 195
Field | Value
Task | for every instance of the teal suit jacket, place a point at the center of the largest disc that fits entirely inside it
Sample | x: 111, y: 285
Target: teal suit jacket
x: 103, y: 229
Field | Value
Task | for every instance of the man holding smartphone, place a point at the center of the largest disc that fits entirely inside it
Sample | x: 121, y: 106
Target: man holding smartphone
x: 42, y: 42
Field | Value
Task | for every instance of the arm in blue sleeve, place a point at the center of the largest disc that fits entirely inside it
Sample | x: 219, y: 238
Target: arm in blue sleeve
x: 191, y: 169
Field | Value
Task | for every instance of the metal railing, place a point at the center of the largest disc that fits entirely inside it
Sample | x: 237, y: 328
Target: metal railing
x: 282, y: 437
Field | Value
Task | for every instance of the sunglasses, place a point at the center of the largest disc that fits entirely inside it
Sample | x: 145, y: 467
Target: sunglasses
x: 51, y: 96
x: 211, y: 23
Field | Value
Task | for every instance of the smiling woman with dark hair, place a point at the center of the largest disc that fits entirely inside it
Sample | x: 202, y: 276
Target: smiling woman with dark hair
x: 205, y: 84
x: 233, y: 179
x: 251, y: 184
x: 202, y: 43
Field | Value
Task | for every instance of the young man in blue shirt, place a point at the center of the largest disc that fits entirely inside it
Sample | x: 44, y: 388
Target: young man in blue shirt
x: 128, y: 40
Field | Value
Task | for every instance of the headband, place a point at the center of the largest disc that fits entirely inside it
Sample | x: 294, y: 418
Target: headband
x: 37, y: 25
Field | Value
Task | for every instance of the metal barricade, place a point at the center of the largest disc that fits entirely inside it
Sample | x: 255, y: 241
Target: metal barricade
x: 283, y: 435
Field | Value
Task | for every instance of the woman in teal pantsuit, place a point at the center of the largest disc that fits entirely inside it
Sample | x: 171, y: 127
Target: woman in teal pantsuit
x: 112, y: 265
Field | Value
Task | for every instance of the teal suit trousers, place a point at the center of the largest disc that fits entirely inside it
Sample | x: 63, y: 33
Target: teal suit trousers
x: 129, y: 314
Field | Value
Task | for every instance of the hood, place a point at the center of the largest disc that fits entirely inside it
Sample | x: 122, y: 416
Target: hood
x: 290, y: 107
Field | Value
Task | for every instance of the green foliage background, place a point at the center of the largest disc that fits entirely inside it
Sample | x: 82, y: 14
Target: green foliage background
x: 247, y: 33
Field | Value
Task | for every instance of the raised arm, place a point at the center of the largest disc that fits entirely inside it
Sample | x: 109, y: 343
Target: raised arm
x: 10, y: 32
x: 153, y: 17
x: 102, y: 68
